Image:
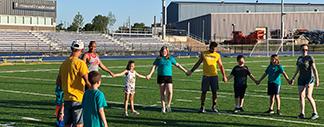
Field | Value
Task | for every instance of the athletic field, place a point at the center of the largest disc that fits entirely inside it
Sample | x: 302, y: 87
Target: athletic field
x: 27, y: 97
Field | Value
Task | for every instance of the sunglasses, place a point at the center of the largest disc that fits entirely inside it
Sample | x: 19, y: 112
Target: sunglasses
x: 305, y: 49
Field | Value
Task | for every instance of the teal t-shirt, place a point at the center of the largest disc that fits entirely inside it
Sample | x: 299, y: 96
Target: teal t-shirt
x: 164, y: 65
x: 92, y: 101
x: 274, y: 72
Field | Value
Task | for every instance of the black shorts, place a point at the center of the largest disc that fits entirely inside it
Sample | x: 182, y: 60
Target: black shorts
x: 239, y: 91
x: 164, y: 79
x: 273, y: 89
x: 209, y: 81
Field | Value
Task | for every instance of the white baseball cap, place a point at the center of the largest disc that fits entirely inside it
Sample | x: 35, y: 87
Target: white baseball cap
x: 77, y: 44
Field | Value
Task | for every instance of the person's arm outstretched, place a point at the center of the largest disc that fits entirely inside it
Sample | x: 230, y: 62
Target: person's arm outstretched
x: 103, y: 117
x: 103, y: 67
x: 151, y: 72
x: 139, y: 75
x: 196, y: 65
x: 317, y: 83
x: 181, y: 68
x: 221, y: 67
x: 253, y: 78
x: 286, y: 77
x: 262, y: 77
x: 294, y: 76
x: 120, y: 74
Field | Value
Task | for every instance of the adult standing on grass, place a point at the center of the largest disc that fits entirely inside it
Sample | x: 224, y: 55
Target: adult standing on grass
x: 164, y: 64
x: 308, y: 75
x: 210, y: 59
x: 72, y: 77
x: 93, y: 61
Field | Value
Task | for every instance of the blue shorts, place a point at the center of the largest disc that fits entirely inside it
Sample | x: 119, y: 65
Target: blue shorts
x: 273, y: 89
x: 209, y: 81
x: 73, y: 113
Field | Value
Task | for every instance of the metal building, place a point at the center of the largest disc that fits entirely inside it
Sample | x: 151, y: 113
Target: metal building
x: 215, y: 20
x: 28, y: 15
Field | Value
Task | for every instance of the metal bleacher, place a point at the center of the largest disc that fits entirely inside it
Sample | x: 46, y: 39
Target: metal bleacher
x: 21, y: 42
x: 64, y: 39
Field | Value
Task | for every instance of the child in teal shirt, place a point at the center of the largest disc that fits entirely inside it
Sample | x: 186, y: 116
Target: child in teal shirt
x: 93, y: 103
x: 274, y: 70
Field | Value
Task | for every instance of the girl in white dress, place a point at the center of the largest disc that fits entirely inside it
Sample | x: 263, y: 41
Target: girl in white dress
x: 129, y: 82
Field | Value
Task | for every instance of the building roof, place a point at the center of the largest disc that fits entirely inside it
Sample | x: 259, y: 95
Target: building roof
x: 247, y: 3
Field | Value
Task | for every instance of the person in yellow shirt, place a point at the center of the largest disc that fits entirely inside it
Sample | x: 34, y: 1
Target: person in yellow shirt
x: 72, y: 77
x: 210, y: 59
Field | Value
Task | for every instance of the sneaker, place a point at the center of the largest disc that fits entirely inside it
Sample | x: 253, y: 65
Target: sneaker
x: 236, y: 110
x: 163, y: 110
x: 314, y: 116
x: 269, y: 111
x: 279, y: 113
x: 241, y: 109
x: 135, y: 112
x: 202, y: 110
x: 301, y: 116
x: 213, y: 109
x: 168, y: 109
x: 126, y: 114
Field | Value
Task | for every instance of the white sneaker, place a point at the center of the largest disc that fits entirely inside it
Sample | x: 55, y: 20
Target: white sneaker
x: 126, y: 114
x: 135, y: 112
x: 163, y: 110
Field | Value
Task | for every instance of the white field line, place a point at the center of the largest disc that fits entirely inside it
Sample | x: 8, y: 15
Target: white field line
x: 228, y: 114
x: 30, y: 119
x: 10, y: 124
x: 181, y: 90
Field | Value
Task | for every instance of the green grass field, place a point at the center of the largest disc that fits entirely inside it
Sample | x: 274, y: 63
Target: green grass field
x: 27, y: 91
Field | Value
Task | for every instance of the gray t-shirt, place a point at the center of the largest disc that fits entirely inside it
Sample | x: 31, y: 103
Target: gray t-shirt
x: 305, y: 64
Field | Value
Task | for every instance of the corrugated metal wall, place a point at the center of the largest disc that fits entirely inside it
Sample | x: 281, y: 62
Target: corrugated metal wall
x: 6, y: 8
x: 188, y: 10
x: 222, y: 23
x: 219, y: 26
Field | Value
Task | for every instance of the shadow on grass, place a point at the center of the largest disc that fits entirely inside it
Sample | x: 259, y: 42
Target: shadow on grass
x: 37, y: 105
x: 138, y: 121
x: 26, y: 122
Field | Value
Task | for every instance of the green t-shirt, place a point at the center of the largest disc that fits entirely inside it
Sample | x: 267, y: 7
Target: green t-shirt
x: 93, y: 100
x: 164, y: 65
x: 274, y: 72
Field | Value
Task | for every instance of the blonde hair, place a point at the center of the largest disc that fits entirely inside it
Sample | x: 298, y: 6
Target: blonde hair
x: 275, y: 57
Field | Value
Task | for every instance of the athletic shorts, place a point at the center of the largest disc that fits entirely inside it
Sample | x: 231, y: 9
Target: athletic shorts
x: 73, y: 113
x: 209, y: 81
x: 302, y: 82
x: 164, y: 79
x: 273, y: 89
x: 239, y: 91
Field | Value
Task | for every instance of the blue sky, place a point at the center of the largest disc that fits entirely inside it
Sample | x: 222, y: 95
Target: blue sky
x: 138, y: 10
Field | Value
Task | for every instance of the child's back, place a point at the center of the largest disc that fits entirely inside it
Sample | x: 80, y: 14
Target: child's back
x: 93, y: 100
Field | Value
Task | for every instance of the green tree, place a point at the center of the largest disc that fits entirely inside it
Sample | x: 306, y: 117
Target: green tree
x: 77, y: 23
x: 88, y: 27
x: 100, y: 23
x: 60, y: 27
x: 138, y: 26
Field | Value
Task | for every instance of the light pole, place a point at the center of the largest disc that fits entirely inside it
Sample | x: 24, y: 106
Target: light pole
x: 163, y: 19
x: 282, y: 24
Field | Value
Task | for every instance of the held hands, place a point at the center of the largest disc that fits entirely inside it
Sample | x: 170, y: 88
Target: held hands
x: 188, y: 73
x: 148, y: 77
x: 225, y: 79
x: 291, y: 82
x: 257, y: 82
